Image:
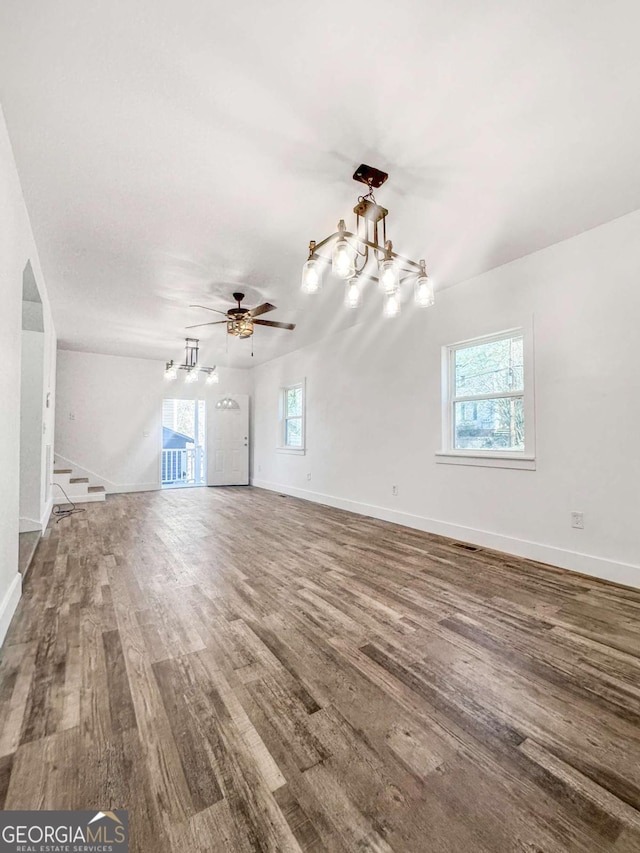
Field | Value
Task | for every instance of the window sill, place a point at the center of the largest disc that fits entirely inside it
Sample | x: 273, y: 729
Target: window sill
x: 487, y: 460
x: 296, y: 451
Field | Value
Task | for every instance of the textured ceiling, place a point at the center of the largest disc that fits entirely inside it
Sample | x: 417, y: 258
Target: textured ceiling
x: 174, y: 152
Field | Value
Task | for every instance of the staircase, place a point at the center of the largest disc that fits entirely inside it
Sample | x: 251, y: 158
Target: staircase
x: 77, y: 488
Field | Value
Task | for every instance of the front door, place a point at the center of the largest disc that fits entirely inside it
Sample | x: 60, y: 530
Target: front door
x: 228, y: 437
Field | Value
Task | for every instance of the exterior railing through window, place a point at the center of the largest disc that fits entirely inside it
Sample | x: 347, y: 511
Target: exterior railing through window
x: 183, y: 466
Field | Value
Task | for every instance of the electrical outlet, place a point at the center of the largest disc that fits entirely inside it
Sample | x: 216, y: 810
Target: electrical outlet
x: 309, y: 475
x: 577, y: 520
x: 72, y: 416
x: 394, y: 490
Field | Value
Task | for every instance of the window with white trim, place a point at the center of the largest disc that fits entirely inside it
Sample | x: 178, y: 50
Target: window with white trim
x: 487, y: 397
x: 292, y: 418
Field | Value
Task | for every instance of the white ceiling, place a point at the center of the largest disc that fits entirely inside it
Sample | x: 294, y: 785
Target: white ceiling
x: 172, y: 152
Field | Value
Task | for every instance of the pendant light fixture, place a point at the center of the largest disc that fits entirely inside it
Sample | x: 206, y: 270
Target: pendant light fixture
x: 353, y: 251
x: 191, y: 366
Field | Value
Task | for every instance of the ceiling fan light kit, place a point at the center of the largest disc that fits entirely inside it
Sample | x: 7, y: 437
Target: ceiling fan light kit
x: 191, y: 366
x: 242, y: 328
x: 353, y: 251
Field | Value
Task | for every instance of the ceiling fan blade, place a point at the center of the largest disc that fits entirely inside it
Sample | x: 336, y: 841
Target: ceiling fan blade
x: 214, y: 323
x: 275, y: 325
x: 208, y: 309
x: 262, y: 309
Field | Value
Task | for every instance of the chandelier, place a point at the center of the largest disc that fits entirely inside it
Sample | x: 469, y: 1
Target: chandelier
x: 191, y: 346
x: 353, y: 251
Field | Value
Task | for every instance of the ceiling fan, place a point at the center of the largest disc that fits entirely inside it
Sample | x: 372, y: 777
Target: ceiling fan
x: 240, y: 321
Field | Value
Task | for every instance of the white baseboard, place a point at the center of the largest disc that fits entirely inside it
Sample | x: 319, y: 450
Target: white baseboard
x: 598, y: 567
x: 31, y: 525
x: 80, y: 471
x: 126, y: 488
x: 94, y: 497
x: 91, y: 497
x: 46, y: 515
x: 96, y: 479
x: 8, y: 605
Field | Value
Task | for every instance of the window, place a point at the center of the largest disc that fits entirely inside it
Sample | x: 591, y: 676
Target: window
x: 292, y: 418
x: 487, y: 400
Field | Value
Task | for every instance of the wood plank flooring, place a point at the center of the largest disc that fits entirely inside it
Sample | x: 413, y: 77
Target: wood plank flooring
x: 249, y: 672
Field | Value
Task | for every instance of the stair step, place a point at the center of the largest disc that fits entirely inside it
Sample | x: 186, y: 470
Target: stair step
x: 92, y: 489
x: 79, y: 480
x: 62, y: 471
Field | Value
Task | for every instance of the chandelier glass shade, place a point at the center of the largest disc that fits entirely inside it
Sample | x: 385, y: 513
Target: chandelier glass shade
x: 391, y: 305
x: 424, y: 296
x: 343, y: 261
x: 352, y: 294
x: 191, y: 366
x: 389, y: 276
x: 366, y: 254
x: 311, y: 276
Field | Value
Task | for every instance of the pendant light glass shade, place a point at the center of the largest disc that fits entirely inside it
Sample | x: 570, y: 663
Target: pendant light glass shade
x: 343, y: 264
x: 192, y: 375
x: 352, y: 294
x: 171, y: 372
x: 212, y: 378
x: 311, y: 276
x: 389, y: 276
x: 391, y: 305
x: 424, y: 295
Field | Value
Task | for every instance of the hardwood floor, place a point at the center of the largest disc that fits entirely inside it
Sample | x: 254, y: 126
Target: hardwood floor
x: 249, y: 672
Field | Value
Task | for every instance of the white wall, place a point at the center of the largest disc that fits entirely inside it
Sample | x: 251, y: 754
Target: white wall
x: 17, y: 248
x: 109, y: 415
x: 374, y: 410
x: 31, y: 450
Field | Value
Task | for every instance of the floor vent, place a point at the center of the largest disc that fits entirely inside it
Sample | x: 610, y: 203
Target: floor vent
x: 466, y: 547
